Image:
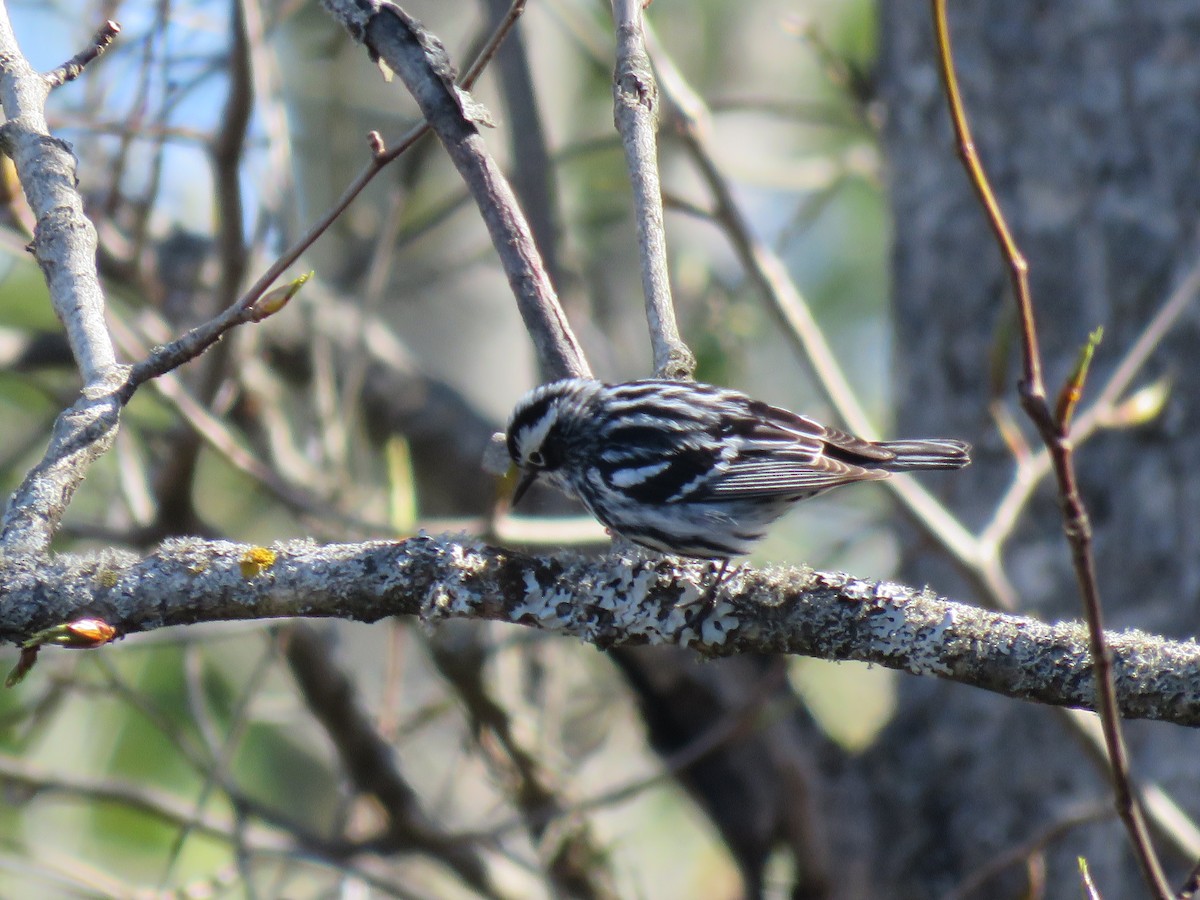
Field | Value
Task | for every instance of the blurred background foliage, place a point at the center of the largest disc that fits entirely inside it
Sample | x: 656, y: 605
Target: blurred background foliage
x: 191, y: 760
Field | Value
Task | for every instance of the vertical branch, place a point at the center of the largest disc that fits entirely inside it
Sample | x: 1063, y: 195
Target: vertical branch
x: 635, y: 111
x: 227, y: 150
x: 176, y: 510
x: 64, y: 245
x: 1031, y: 356
x: 64, y: 241
x: 1055, y: 433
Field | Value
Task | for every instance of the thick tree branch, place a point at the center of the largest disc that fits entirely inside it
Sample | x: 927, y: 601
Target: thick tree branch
x: 617, y: 600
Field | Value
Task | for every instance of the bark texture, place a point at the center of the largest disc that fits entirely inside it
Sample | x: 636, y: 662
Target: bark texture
x: 1084, y: 115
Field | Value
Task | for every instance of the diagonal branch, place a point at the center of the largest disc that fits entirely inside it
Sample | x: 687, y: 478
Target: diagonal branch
x: 73, y: 67
x: 419, y: 58
x: 369, y: 760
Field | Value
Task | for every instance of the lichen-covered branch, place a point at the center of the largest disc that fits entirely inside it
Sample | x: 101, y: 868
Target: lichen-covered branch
x: 617, y: 600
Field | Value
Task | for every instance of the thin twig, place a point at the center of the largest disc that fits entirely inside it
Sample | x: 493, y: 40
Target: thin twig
x: 170, y: 356
x: 73, y: 67
x: 635, y: 105
x: 1055, y: 831
x: 1191, y: 884
x: 515, y: 10
x: 221, y: 751
x: 292, y: 841
x: 137, y: 795
x: 573, y: 857
x: 1033, y: 469
x: 227, y: 150
x: 1055, y: 432
x: 532, y: 169
x: 734, y: 725
x: 175, y: 497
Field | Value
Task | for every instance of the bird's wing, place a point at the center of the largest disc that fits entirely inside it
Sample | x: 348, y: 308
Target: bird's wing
x: 775, y: 423
x: 754, y: 451
x: 778, y: 474
x: 774, y: 452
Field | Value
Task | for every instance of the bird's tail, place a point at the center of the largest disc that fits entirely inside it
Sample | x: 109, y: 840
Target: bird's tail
x: 933, y: 454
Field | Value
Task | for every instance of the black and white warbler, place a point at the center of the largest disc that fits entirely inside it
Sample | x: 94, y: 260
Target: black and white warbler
x: 692, y: 469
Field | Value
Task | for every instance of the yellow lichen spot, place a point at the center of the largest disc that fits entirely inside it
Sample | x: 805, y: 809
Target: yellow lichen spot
x: 108, y: 577
x: 256, y: 560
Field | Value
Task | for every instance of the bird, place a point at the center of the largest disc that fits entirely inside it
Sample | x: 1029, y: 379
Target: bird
x: 693, y: 469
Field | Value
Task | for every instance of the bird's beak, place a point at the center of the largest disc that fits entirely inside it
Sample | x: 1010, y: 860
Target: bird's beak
x: 528, y: 477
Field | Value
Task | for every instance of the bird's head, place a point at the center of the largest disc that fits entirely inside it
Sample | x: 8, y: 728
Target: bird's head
x: 538, y: 430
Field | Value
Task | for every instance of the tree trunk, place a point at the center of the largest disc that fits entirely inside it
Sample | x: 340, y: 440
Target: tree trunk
x: 1085, y: 117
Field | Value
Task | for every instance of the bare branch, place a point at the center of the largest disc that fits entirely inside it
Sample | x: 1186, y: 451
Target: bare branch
x: 332, y: 697
x: 73, y: 67
x: 617, y: 600
x: 532, y: 170
x: 81, y: 435
x: 276, y: 837
x: 64, y: 241
x: 227, y: 150
x: 1032, y: 470
x: 153, y: 802
x: 170, y: 356
x: 570, y: 851
x: 420, y: 60
x: 64, y: 245
x: 635, y: 110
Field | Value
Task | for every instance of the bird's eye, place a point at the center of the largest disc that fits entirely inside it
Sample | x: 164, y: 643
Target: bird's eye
x: 535, y: 458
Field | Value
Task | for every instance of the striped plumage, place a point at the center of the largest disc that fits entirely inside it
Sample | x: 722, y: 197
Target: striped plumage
x: 693, y: 469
